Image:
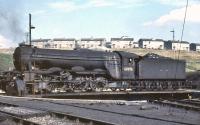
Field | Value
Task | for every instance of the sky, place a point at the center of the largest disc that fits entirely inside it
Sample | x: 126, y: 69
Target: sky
x: 98, y: 18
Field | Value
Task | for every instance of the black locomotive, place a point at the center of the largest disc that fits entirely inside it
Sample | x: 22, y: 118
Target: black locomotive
x: 84, y: 69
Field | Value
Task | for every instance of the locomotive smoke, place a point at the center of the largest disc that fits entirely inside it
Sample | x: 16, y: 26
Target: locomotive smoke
x: 10, y: 25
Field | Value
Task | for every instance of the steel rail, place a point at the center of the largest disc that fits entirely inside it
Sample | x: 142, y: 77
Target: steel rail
x: 178, y: 104
x: 90, y: 121
x: 125, y: 114
x: 70, y: 117
x: 18, y: 119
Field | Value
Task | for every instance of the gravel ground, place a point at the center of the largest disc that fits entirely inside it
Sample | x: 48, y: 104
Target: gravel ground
x: 9, y: 122
x: 134, y: 114
x: 20, y: 111
x: 2, y: 117
x: 49, y: 120
x: 43, y: 120
x: 5, y: 120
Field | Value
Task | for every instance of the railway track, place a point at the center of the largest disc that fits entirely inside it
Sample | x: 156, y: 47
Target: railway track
x: 13, y: 116
x: 126, y: 114
x: 60, y: 117
x: 29, y: 116
x: 188, y: 104
x: 14, y: 120
x: 139, y: 95
x: 195, y: 102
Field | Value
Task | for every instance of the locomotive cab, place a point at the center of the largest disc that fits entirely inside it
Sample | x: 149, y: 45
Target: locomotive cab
x: 128, y: 65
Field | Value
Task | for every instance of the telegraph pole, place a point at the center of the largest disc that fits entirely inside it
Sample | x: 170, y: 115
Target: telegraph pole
x: 30, y: 28
x: 27, y: 37
x: 173, y: 32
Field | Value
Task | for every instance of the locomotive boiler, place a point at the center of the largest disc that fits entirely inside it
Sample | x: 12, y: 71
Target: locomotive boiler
x: 85, y: 69
x: 79, y: 62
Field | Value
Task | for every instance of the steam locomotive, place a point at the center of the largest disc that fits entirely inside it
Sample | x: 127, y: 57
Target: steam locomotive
x: 84, y: 69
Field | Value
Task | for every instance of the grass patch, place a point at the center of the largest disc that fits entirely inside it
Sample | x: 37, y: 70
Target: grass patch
x: 6, y: 62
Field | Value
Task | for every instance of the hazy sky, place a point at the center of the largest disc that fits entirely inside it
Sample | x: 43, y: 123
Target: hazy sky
x: 98, y: 18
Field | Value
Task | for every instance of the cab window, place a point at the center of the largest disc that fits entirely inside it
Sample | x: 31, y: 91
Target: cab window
x: 130, y: 60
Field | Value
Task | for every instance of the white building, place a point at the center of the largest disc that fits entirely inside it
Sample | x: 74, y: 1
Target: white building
x: 135, y: 45
x: 181, y: 46
x: 91, y: 42
x: 151, y: 44
x: 123, y: 43
x: 177, y: 45
x: 40, y: 43
x: 62, y: 43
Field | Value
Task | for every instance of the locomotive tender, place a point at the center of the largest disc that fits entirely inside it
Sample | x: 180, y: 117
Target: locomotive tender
x: 89, y: 69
